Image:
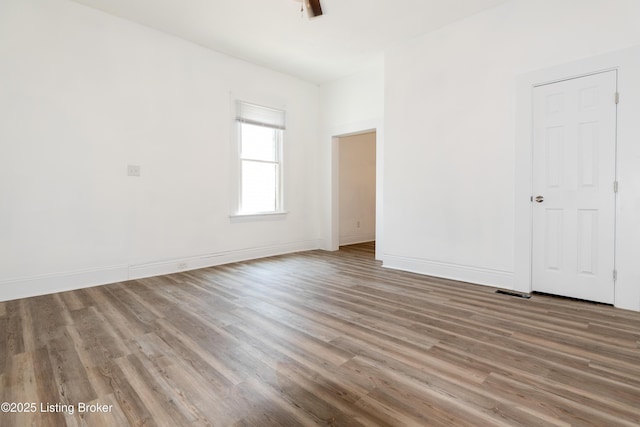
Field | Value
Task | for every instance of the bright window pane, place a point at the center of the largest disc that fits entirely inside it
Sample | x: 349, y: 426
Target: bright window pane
x: 259, y: 142
x: 259, y: 184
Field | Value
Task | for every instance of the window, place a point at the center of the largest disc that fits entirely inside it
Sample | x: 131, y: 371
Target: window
x: 260, y: 134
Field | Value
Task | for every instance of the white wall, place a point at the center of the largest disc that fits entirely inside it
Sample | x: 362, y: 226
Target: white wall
x: 350, y: 106
x: 357, y: 176
x: 355, y: 101
x: 450, y: 131
x: 83, y: 94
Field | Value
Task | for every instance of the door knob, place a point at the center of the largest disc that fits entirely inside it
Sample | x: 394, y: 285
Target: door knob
x: 539, y: 199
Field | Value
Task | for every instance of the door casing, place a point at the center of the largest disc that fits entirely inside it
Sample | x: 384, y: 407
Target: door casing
x: 597, y: 280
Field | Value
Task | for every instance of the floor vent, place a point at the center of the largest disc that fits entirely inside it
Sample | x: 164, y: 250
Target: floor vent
x: 513, y: 294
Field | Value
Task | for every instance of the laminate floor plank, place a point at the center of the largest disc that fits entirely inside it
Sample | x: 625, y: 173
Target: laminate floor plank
x: 164, y: 410
x: 428, y: 387
x: 13, y: 332
x: 345, y: 388
x: 177, y: 402
x: 115, y: 416
x: 297, y: 339
x: 316, y: 339
x: 99, y: 340
x: 277, y: 413
x: 71, y: 300
x: 47, y: 391
x: 574, y: 384
x: 70, y: 374
x: 123, y: 303
x: 26, y: 322
x: 161, y: 305
x: 614, y: 374
x: 578, y: 414
x: 127, y: 400
x: 5, y: 334
x: 217, y: 355
x: 95, y: 372
x: 20, y: 389
x: 311, y: 361
x: 48, y: 319
x: 605, y: 336
x: 621, y: 358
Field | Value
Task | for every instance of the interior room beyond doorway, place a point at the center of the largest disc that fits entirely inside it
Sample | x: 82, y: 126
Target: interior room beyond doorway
x: 357, y: 188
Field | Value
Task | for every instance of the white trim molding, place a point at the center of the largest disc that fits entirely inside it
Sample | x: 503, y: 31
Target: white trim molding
x: 25, y: 287
x: 176, y: 265
x: 462, y: 273
x: 354, y: 239
x: 31, y: 286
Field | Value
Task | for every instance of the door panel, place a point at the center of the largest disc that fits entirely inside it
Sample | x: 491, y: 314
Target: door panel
x: 574, y: 145
x: 553, y: 239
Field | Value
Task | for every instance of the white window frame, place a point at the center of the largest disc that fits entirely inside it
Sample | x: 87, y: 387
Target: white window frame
x: 256, y: 115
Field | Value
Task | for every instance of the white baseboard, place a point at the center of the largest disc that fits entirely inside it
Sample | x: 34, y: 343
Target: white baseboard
x: 25, y: 287
x: 210, y: 260
x: 462, y: 273
x: 356, y: 238
x: 31, y: 286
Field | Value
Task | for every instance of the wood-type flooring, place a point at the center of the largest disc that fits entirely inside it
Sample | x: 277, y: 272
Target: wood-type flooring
x: 315, y: 338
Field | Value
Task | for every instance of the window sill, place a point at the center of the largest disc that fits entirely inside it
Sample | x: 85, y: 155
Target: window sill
x: 261, y: 216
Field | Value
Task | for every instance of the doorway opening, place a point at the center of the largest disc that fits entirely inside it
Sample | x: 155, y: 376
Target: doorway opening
x: 356, y: 208
x: 357, y: 188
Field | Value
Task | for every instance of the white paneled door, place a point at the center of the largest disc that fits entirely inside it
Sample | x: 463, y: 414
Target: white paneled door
x: 574, y: 158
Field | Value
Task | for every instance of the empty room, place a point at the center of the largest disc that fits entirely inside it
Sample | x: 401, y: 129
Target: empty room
x: 319, y: 212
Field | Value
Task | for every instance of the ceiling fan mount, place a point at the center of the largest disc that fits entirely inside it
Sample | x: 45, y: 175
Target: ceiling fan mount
x: 314, y: 9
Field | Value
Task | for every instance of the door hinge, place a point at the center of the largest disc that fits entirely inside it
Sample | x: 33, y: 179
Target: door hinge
x: 615, y: 274
x: 615, y: 186
x: 617, y: 97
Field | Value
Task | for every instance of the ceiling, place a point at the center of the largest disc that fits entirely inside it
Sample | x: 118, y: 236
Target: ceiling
x: 275, y: 34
